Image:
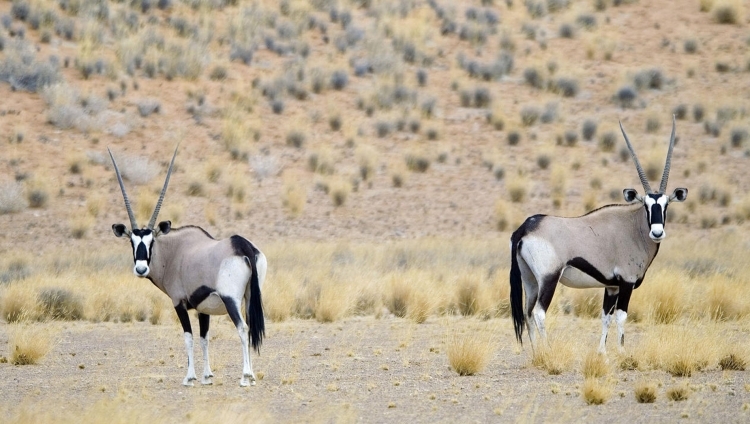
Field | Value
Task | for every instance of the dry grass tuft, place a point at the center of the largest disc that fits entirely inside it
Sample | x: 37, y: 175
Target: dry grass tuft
x: 595, y: 392
x: 586, y: 303
x: 595, y: 365
x: 339, y: 191
x: 679, y: 392
x: 294, y: 196
x: 554, y: 357
x: 468, y: 354
x: 727, y: 11
x: 469, y: 296
x: 333, y: 303
x: 19, y: 303
x: 664, y: 347
x: 645, y: 392
x: 28, y: 344
x: 733, y: 362
x: 60, y: 304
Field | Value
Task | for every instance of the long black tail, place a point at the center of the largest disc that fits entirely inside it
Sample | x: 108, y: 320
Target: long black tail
x: 254, y: 308
x: 516, y: 288
x: 253, y: 302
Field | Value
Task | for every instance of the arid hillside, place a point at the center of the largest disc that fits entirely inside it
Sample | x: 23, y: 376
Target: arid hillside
x: 363, y: 120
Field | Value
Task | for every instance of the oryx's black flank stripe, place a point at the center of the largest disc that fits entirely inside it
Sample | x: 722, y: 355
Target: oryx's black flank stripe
x: 199, y: 296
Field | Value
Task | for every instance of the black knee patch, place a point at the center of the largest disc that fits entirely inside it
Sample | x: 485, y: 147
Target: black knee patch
x: 182, y: 314
x: 204, y: 320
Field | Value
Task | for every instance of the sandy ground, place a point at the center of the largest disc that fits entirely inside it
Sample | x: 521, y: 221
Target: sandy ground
x: 359, y: 369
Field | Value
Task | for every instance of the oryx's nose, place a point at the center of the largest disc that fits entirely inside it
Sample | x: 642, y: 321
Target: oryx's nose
x: 141, y: 270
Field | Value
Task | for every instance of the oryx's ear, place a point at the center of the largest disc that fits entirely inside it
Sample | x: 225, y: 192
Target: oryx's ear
x: 631, y: 195
x: 678, y: 195
x: 120, y: 230
x: 165, y: 227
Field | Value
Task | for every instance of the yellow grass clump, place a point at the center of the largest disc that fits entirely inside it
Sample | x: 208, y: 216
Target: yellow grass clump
x: 664, y: 347
x: 645, y: 391
x: 595, y: 392
x: 679, y: 392
x: 28, y: 344
x: 555, y: 356
x: 595, y: 365
x: 19, y: 303
x: 468, y: 354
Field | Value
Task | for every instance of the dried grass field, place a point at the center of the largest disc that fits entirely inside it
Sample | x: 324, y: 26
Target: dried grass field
x: 379, y: 153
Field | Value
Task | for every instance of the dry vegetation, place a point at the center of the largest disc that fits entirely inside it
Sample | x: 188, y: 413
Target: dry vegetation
x: 380, y: 153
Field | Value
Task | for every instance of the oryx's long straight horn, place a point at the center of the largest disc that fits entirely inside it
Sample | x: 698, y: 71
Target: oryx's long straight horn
x: 665, y: 175
x: 641, y: 174
x: 133, y: 224
x: 163, y: 192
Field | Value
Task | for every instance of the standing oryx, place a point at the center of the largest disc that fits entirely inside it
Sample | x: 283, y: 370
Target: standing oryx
x: 610, y: 247
x: 198, y: 272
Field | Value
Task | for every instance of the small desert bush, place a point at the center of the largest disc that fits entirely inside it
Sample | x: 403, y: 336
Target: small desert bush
x: 554, y: 356
x: 734, y: 361
x: 468, y: 354
x: 595, y: 392
x: 660, y: 300
x: 645, y: 391
x: 680, y: 350
x: 279, y: 298
x: 595, y: 365
x: 517, y: 189
x: 12, y: 199
x: 366, y: 159
x: 19, y: 303
x: 502, y: 216
x: 417, y: 162
x: 28, y: 344
x: 60, y: 304
x: 339, y: 191
x: 727, y: 11
x: 333, y: 302
x: 398, y: 295
x: 679, y: 392
x: 294, y: 196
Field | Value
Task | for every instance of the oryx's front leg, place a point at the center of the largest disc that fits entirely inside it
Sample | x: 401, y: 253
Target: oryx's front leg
x: 204, y: 320
x: 182, y: 314
x: 233, y: 309
x: 608, y: 308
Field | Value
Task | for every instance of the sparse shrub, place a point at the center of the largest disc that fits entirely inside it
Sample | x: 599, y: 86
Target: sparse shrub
x: 60, y: 304
x: 549, y: 114
x: 383, y: 128
x: 468, y: 296
x: 533, y: 77
x: 722, y: 67
x: 28, y: 345
x: 432, y: 133
x: 339, y: 192
x: 652, y: 124
x: 595, y: 392
x: 421, y: 77
x: 698, y: 112
x: 295, y: 139
x: 514, y: 137
x: 626, y: 96
x: 570, y: 137
x: 680, y: 111
x: 517, y: 190
x: 543, y: 160
x: 595, y: 365
x: 148, y: 106
x: 529, y: 115
x: 469, y: 354
x: 732, y: 362
x: 482, y: 97
x: 645, y: 392
x: 335, y: 122
x: 498, y: 172
x: 567, y: 87
x: 690, y: 45
x: 738, y: 137
x: 196, y: 188
x: 588, y: 130
x: 38, y: 198
x: 649, y: 79
x: 608, y: 141
x: 587, y: 21
x: 567, y: 31
x: 277, y: 106
x: 339, y: 80
x: 12, y: 199
x: 554, y: 357
x: 218, y: 73
x: 679, y: 392
x: 417, y: 162
x: 727, y: 12
x: 465, y: 97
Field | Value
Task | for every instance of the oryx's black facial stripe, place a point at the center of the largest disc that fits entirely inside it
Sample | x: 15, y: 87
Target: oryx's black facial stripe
x: 657, y: 214
x: 142, y: 241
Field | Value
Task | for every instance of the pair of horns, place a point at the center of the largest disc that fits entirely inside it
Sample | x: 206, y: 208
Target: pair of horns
x: 641, y: 174
x: 152, y: 222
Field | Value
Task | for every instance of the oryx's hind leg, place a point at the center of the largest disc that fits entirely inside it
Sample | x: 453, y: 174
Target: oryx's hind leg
x: 233, y: 309
x: 182, y: 314
x: 611, y: 295
x: 621, y: 312
x: 531, y: 289
x: 204, y: 320
x: 544, y: 299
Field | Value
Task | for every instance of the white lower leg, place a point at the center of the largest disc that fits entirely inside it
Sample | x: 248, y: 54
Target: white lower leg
x: 539, y: 316
x: 621, y: 316
x: 248, y: 377
x: 606, y: 319
x: 207, y: 374
x: 190, y: 376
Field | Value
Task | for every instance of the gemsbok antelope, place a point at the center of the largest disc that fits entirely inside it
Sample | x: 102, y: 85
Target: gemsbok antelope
x: 199, y: 272
x: 610, y: 247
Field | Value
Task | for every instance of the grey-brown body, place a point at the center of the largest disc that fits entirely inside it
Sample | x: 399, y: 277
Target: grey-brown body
x: 611, y: 248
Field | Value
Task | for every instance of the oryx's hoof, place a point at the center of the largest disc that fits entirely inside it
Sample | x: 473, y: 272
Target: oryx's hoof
x: 188, y: 381
x: 247, y: 380
x: 206, y: 381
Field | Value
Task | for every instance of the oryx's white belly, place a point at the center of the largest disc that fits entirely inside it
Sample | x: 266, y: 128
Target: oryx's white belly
x: 212, y: 305
x: 577, y: 279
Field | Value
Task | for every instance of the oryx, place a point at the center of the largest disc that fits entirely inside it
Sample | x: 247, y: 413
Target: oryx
x: 610, y: 247
x: 199, y: 272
